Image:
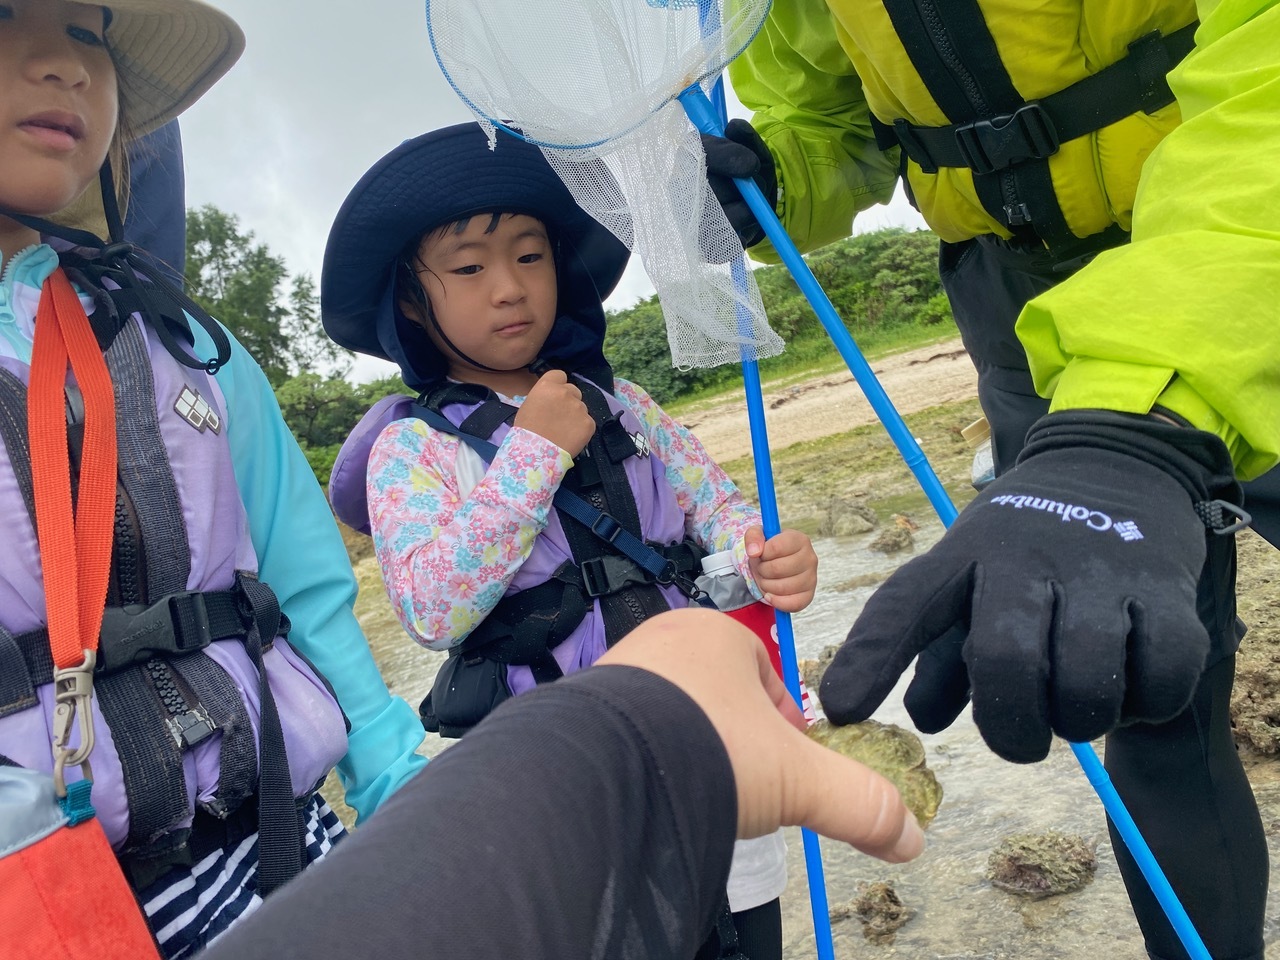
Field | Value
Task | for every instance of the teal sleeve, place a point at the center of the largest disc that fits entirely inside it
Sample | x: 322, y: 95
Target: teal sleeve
x: 1185, y: 315
x: 813, y: 115
x: 302, y: 556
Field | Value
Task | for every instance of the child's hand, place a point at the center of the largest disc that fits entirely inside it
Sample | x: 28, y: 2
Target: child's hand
x: 785, y: 567
x: 554, y: 410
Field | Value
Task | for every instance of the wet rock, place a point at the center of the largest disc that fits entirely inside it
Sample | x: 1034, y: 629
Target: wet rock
x: 893, y: 539
x: 844, y: 518
x: 812, y: 670
x: 1042, y: 865
x: 894, y: 753
x: 879, y: 909
x: 904, y: 521
x: 872, y: 579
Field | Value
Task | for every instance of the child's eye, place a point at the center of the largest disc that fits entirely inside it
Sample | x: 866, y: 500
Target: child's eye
x: 467, y: 271
x: 531, y: 258
x: 84, y: 35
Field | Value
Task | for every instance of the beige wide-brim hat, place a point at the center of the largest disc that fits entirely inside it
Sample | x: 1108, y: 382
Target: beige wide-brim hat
x: 167, y: 54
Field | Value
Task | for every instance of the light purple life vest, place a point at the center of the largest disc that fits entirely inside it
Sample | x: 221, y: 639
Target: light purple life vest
x: 175, y: 467
x: 661, y: 519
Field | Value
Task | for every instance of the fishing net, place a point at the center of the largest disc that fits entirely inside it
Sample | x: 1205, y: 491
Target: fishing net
x: 594, y: 84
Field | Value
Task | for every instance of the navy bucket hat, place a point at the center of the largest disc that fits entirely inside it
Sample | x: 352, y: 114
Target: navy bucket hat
x: 438, y: 178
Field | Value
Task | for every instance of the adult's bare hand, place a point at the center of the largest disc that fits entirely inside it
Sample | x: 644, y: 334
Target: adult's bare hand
x: 783, y: 777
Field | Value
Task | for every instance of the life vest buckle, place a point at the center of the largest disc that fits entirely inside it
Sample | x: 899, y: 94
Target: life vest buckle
x: 176, y: 624
x: 605, y: 576
x: 1002, y: 141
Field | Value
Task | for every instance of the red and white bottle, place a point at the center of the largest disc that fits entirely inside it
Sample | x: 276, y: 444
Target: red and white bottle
x: 728, y: 591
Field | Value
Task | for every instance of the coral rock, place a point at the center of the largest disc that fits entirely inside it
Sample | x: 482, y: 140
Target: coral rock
x: 1042, y: 865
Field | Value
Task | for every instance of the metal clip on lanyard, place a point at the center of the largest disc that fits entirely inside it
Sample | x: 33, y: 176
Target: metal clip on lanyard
x: 73, y: 693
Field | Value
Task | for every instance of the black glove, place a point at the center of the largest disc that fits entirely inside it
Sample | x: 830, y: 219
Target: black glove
x: 1064, y: 595
x: 740, y: 153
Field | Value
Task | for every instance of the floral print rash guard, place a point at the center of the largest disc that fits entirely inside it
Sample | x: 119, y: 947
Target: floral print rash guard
x: 447, y: 556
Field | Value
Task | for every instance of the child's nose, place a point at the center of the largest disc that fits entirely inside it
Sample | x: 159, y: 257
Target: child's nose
x: 508, y: 286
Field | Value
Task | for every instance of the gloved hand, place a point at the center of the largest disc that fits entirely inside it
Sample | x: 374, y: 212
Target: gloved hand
x: 740, y: 153
x: 1064, y: 596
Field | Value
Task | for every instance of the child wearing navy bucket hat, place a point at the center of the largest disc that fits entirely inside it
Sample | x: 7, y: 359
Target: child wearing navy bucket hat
x: 528, y: 509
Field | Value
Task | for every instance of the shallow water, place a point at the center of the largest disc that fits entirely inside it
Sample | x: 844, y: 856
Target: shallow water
x: 958, y: 914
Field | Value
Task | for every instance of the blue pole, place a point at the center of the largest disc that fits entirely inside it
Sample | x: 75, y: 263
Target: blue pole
x: 703, y: 115
x: 1142, y: 854
x: 771, y: 524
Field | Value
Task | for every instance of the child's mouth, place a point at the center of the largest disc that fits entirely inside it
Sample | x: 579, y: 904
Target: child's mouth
x: 62, y: 131
x: 514, y: 329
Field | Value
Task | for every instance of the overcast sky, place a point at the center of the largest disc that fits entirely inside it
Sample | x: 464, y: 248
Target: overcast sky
x: 322, y: 91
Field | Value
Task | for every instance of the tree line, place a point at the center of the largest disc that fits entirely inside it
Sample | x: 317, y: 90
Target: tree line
x: 885, y: 284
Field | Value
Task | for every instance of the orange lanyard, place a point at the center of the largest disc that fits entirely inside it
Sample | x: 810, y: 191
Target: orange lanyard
x: 75, y: 544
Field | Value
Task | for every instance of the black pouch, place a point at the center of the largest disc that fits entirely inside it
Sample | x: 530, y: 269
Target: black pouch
x: 466, y: 691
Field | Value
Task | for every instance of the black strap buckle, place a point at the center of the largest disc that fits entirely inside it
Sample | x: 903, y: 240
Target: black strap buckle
x: 604, y: 576
x: 999, y: 142
x: 176, y: 624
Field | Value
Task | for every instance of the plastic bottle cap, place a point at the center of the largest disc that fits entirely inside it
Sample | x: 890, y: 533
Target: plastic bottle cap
x: 976, y: 432
x: 716, y: 564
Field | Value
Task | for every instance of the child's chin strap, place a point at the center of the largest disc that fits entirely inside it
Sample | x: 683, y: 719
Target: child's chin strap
x: 142, y: 288
x: 435, y: 325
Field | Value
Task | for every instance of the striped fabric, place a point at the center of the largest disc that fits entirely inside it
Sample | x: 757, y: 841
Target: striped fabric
x: 189, y: 907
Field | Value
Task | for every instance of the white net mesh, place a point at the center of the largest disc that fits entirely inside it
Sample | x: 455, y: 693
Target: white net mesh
x: 593, y: 82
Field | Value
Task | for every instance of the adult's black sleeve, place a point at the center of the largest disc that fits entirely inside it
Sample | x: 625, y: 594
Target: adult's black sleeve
x: 594, y: 817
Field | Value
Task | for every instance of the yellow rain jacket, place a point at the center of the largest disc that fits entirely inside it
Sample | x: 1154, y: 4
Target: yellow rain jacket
x: 1184, y: 316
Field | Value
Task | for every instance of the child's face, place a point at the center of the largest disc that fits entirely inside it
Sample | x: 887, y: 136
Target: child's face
x: 492, y: 289
x: 58, y: 102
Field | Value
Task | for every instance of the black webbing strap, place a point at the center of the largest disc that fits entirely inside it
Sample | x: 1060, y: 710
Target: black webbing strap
x: 17, y: 689
x: 487, y: 417
x: 225, y: 709
x: 281, y: 853
x: 1002, y: 138
x: 1036, y: 129
x: 146, y: 475
x: 13, y: 432
x: 178, y: 624
x: 208, y: 834
x: 151, y: 761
